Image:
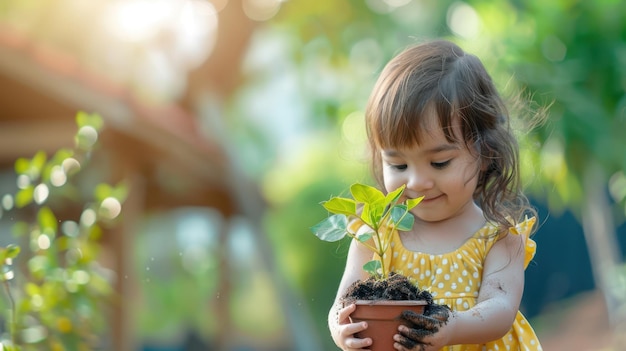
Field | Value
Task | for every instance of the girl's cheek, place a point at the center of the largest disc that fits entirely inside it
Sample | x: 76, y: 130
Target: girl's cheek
x: 389, y: 180
x: 393, y: 182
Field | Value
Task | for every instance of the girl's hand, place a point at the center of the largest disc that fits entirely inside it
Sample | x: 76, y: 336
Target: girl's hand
x: 428, y: 330
x: 344, y: 334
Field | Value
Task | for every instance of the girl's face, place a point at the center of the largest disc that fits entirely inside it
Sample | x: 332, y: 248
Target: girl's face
x: 445, y: 173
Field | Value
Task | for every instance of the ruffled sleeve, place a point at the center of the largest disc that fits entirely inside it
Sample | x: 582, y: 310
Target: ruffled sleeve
x: 524, y: 229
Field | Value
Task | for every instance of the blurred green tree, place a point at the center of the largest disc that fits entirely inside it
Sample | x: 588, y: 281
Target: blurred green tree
x: 568, y: 56
x: 572, y: 57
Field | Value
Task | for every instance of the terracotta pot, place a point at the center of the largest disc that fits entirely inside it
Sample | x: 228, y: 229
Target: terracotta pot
x: 383, y: 319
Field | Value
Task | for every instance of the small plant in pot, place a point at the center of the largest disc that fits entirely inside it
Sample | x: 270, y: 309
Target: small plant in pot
x: 371, y: 217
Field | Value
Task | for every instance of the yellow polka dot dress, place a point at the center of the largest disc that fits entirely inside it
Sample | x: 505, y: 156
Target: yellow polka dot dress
x: 454, y: 279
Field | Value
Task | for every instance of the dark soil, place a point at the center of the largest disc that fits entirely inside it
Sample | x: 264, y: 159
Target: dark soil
x: 397, y: 287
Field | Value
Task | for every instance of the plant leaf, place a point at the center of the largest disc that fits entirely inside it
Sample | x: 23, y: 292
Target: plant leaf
x: 373, y: 267
x: 365, y: 193
x: 365, y: 236
x: 340, y: 205
x: 331, y: 229
x: 410, y: 203
x: 89, y: 119
x: 120, y: 191
x: 102, y: 191
x: 22, y: 165
x: 37, y: 163
x: 402, y: 218
x: 47, y: 221
x: 392, y: 197
x: 374, y: 213
x: 12, y: 251
x: 24, y: 196
x: 7, y: 274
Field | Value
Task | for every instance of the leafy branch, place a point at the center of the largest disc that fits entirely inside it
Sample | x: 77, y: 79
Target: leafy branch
x: 58, y: 303
x: 368, y: 215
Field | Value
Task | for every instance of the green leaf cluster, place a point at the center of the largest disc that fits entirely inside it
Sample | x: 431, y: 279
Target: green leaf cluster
x: 380, y: 215
x: 61, y: 291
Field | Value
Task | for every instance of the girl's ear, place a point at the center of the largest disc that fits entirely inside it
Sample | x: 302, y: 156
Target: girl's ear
x: 485, y: 162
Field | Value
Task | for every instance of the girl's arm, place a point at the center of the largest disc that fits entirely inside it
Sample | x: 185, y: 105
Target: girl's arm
x: 499, y: 297
x: 342, y: 331
x: 497, y: 305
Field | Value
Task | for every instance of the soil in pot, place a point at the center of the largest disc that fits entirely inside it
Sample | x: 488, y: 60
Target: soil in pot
x: 380, y: 303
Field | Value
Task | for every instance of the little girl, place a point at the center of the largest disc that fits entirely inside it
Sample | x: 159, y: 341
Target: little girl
x: 436, y: 123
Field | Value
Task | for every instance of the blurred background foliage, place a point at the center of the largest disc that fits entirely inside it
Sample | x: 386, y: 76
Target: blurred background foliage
x: 559, y: 60
x: 294, y: 124
x: 60, y: 294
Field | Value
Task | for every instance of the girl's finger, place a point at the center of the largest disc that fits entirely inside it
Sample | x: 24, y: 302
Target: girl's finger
x: 358, y: 344
x: 353, y: 328
x: 344, y: 313
x: 348, y: 331
x: 399, y: 347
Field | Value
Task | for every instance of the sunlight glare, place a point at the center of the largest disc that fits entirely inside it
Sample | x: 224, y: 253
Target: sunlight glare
x: 197, y: 27
x: 353, y: 128
x: 242, y: 241
x: 9, y: 275
x: 261, y: 10
x: 23, y: 181
x: 379, y: 6
x: 87, y: 136
x: 35, y: 333
x: 553, y: 48
x: 70, y: 228
x: 110, y: 208
x: 73, y: 255
x: 397, y: 3
x: 159, y: 42
x: 43, y: 241
x: 88, y: 218
x: 57, y: 176
x: 36, y: 301
x: 40, y: 194
x: 366, y: 56
x: 81, y: 277
x: 617, y: 186
x: 70, y: 165
x: 137, y: 20
x: 463, y: 20
x: 7, y: 202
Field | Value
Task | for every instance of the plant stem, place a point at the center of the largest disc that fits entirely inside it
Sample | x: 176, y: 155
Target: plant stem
x: 12, y: 321
x: 386, y: 238
x: 369, y: 247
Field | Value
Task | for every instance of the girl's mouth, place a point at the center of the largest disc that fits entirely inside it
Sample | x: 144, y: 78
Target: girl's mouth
x: 431, y: 199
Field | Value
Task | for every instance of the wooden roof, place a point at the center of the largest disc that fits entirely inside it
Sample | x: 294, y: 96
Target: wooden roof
x: 42, y: 89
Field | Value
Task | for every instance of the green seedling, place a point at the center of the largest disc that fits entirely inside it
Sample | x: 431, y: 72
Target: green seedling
x: 380, y: 213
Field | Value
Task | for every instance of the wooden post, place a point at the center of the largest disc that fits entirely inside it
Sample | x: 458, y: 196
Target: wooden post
x: 221, y: 300
x: 122, y: 244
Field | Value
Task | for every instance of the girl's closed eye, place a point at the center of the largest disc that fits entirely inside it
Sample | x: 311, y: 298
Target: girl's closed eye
x: 440, y: 165
x: 399, y: 167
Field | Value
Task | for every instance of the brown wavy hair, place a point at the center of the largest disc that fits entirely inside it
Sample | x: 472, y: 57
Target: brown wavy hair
x: 439, y: 76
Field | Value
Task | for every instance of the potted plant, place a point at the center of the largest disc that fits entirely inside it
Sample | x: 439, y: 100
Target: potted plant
x: 382, y: 297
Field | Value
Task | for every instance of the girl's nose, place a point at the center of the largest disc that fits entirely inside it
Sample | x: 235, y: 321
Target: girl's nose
x: 419, y: 181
